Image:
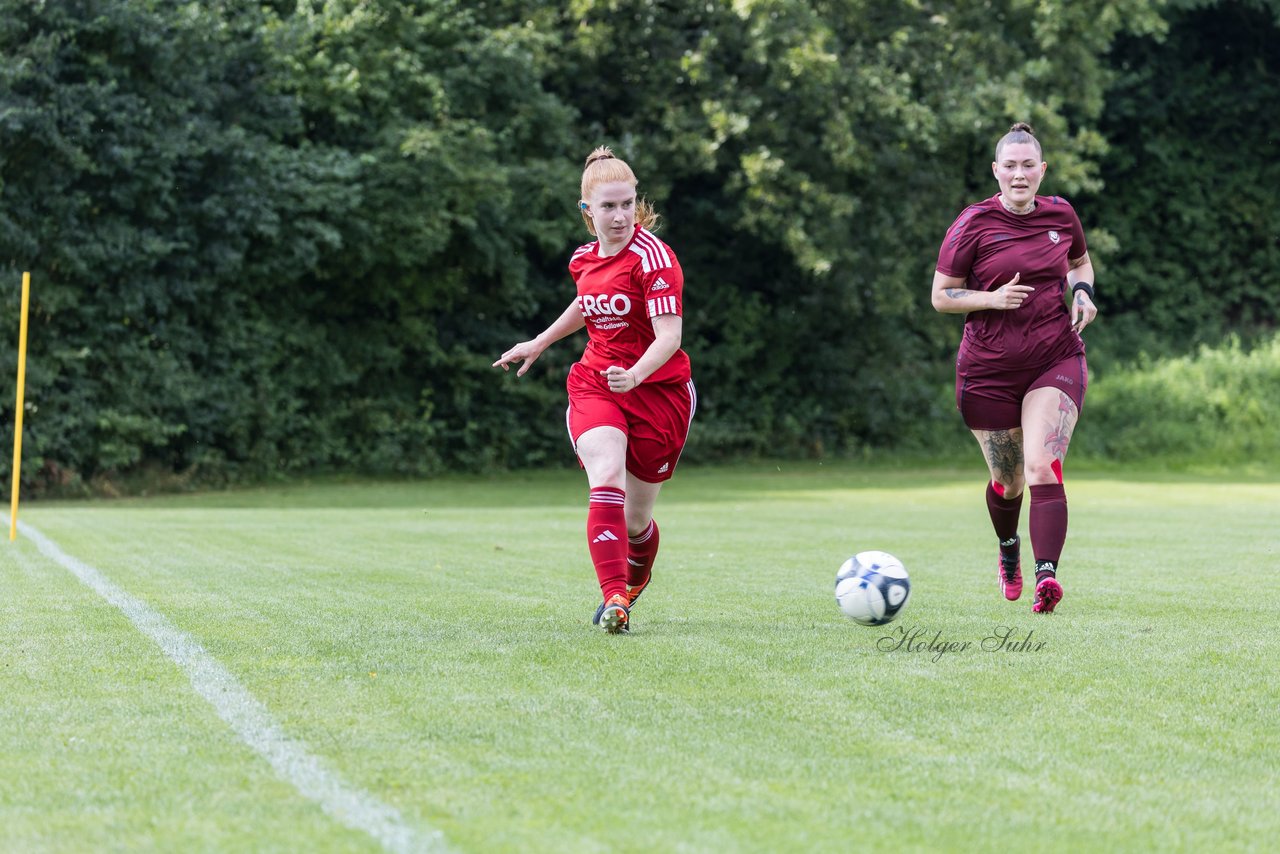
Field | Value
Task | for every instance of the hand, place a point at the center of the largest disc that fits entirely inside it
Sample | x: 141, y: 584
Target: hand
x: 1083, y: 311
x: 1011, y: 294
x: 620, y: 379
x: 526, y: 351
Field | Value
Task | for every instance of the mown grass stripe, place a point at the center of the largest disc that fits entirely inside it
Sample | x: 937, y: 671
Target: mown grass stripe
x: 249, y: 719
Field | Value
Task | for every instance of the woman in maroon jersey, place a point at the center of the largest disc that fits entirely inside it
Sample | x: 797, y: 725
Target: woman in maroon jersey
x: 631, y: 397
x: 1010, y: 264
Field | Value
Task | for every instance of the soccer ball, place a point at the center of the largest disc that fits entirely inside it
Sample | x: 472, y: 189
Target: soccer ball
x: 872, y: 588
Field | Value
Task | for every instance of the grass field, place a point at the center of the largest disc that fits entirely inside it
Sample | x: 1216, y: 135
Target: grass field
x: 427, y: 646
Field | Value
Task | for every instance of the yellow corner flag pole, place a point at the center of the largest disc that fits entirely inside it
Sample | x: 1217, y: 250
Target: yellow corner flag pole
x: 17, y: 420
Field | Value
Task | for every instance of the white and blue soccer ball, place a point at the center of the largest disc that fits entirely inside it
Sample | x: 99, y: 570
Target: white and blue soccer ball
x: 872, y: 588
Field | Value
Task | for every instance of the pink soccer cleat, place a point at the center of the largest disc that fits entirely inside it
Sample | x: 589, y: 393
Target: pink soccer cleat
x: 1009, y: 570
x: 1048, y: 595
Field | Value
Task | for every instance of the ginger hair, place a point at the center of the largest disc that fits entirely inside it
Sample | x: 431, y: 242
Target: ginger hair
x: 602, y: 167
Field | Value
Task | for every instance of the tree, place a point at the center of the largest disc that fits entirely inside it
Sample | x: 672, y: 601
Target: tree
x: 143, y: 180
x: 1189, y: 183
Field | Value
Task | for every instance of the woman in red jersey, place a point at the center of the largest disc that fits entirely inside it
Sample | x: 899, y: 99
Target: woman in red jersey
x: 631, y: 398
x: 1009, y: 264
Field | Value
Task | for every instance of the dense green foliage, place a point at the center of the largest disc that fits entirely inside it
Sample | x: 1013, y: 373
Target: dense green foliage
x: 149, y: 187
x: 1191, y: 175
x: 293, y: 236
x: 1212, y: 407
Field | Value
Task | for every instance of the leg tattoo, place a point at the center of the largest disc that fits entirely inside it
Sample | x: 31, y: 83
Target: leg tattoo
x: 1060, y: 436
x: 1004, y: 452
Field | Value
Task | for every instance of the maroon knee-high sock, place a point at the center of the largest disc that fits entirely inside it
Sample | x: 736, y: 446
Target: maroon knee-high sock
x: 1004, y: 513
x: 640, y: 554
x: 607, y: 538
x: 1048, y: 525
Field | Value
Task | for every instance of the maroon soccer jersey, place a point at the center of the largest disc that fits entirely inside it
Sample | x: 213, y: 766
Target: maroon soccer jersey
x: 620, y: 295
x: 987, y: 245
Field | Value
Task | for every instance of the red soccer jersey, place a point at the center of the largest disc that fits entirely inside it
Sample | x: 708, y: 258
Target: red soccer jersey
x: 987, y: 245
x: 620, y: 295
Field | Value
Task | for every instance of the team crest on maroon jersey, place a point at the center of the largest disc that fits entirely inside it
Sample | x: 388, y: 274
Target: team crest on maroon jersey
x: 1054, y: 236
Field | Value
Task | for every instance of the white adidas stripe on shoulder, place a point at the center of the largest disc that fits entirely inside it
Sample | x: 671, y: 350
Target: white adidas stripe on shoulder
x: 653, y: 253
x: 582, y: 250
x: 657, y: 247
x: 645, y: 264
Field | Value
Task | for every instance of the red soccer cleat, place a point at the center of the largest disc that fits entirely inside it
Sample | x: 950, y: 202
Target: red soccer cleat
x: 614, y: 614
x: 634, y: 590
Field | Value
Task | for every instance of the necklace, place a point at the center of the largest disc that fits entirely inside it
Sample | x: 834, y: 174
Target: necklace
x: 1018, y: 211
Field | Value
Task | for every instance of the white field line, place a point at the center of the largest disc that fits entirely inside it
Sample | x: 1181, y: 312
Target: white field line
x: 250, y: 720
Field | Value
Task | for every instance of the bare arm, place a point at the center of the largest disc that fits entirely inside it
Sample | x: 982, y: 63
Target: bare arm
x: 1083, y: 311
x: 569, y: 322
x: 950, y: 296
x: 668, y: 330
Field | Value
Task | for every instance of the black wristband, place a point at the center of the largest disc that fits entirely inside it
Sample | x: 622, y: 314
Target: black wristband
x: 1083, y: 286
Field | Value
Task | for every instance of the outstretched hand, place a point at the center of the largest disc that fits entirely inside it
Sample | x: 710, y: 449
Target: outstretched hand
x: 1011, y: 294
x: 526, y: 352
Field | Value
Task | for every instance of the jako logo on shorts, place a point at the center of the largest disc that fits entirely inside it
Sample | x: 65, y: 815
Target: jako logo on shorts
x: 592, y: 306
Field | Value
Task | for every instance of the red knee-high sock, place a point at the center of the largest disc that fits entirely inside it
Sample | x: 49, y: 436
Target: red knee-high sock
x: 1004, y: 512
x: 607, y: 538
x: 1048, y: 523
x: 640, y: 554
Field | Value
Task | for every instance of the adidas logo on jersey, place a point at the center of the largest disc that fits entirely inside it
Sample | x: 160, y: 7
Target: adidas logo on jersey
x: 605, y: 536
x: 659, y: 285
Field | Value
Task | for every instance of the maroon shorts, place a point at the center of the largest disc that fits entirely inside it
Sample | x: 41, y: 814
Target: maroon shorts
x: 654, y: 417
x: 992, y: 400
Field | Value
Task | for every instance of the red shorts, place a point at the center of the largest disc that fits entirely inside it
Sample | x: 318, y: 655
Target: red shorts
x: 654, y: 417
x: 992, y: 400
